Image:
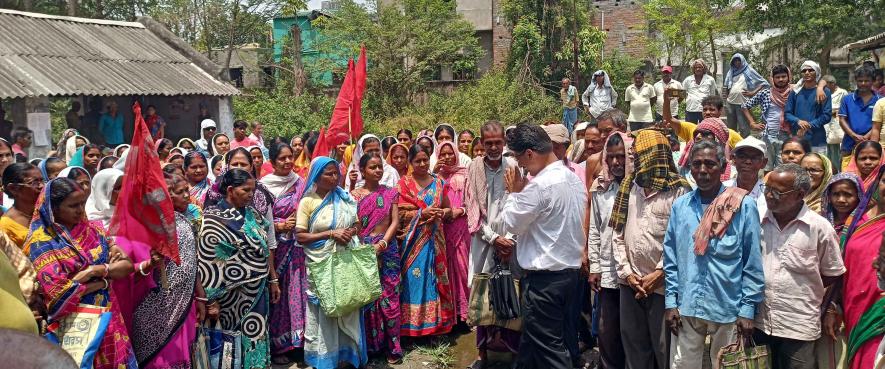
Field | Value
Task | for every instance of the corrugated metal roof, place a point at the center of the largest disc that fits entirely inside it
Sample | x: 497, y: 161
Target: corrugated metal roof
x: 44, y: 55
x: 869, y: 43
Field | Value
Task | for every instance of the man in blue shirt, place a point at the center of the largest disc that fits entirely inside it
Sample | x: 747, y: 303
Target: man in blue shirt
x: 111, y: 125
x: 856, y: 114
x: 805, y: 114
x: 712, y: 284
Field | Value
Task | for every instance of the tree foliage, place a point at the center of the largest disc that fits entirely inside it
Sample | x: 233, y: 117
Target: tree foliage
x: 284, y: 115
x: 814, y: 28
x: 407, y: 41
x: 688, y: 29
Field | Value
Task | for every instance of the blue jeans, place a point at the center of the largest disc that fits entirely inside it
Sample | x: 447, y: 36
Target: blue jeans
x: 569, y: 117
x: 773, y: 146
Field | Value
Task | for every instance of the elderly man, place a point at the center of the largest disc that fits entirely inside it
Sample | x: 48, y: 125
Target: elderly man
x: 484, y: 198
x: 749, y: 158
x: 712, y: 261
x: 599, y: 96
x: 697, y: 87
x: 569, y: 96
x: 801, y: 257
x: 602, y: 265
x: 639, y: 219
x: 546, y: 215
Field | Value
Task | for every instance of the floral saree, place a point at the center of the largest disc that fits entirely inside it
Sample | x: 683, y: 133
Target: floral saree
x: 58, y: 255
x: 426, y: 296
x: 382, y: 318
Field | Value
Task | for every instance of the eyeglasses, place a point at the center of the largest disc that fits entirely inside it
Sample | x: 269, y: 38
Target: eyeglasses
x: 775, y: 194
x: 808, y: 70
x: 814, y: 170
x: 32, y: 183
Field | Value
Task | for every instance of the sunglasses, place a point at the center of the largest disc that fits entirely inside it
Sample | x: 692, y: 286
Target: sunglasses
x: 808, y: 71
x: 209, y: 129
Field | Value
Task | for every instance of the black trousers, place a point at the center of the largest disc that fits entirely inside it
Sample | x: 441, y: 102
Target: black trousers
x: 550, y: 307
x: 611, y: 349
x: 787, y: 353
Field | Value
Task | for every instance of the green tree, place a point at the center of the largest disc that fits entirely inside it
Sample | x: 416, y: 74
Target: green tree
x: 407, y: 41
x: 687, y: 30
x: 814, y: 28
x: 284, y: 115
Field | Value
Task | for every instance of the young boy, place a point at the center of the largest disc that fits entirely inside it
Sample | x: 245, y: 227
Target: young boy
x: 772, y: 101
x: 240, y: 138
x: 712, y: 108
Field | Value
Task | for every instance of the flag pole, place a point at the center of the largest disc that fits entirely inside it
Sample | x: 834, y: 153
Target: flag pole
x: 350, y: 121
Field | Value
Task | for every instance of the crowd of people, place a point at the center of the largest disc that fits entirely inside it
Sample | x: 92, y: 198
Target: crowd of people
x: 654, y: 238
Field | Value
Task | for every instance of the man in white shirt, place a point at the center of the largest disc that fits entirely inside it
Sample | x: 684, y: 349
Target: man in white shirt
x: 834, y: 129
x: 641, y: 97
x: 800, y: 259
x: 666, y: 82
x: 697, y: 87
x: 546, y: 214
x: 599, y: 95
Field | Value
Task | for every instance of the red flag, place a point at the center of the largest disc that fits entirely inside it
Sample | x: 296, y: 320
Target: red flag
x: 144, y: 218
x: 340, y: 124
x: 356, y: 124
x: 321, y: 148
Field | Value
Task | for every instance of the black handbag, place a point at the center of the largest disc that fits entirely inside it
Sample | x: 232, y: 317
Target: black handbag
x: 502, y: 292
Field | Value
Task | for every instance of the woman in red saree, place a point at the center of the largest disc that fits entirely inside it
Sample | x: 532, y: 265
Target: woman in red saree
x: 426, y: 295
x: 862, y: 302
x: 455, y: 226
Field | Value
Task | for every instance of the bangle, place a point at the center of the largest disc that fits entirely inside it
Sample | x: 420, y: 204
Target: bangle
x: 274, y: 281
x: 107, y: 270
x: 106, y: 284
x: 141, y: 268
x: 385, y: 242
x: 201, y: 299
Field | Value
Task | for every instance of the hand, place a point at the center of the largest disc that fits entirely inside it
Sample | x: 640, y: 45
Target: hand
x: 274, y: 292
x: 504, y: 247
x: 87, y: 274
x: 674, y: 321
x: 801, y: 132
x: 635, y: 282
x: 289, y: 224
x: 436, y: 167
x: 213, y: 310
x: 747, y: 93
x: 338, y: 235
x: 37, y: 316
x: 756, y: 126
x: 155, y: 260
x: 115, y: 256
x: 653, y: 280
x: 353, y: 175
x: 595, y: 279
x: 201, y: 311
x: 744, y: 327
x: 821, y: 95
x: 514, y: 180
x: 858, y: 138
x: 804, y: 125
x: 832, y: 324
x: 379, y: 247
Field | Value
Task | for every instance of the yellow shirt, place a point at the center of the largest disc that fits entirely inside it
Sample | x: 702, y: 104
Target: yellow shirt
x: 685, y: 132
x: 16, y: 232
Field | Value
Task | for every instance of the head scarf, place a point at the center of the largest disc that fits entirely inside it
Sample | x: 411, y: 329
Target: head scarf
x: 605, y: 176
x: 183, y: 140
x: 779, y: 98
x: 720, y: 130
x: 61, y: 147
x: 65, y: 172
x: 71, y: 147
x: 43, y: 170
x: 214, y: 149
x: 215, y: 159
x: 751, y: 76
x: 805, y: 65
x: 826, y: 208
x: 454, y: 175
x: 577, y: 146
x: 98, y: 206
x: 389, y: 157
x: 717, y: 217
x: 856, y: 218
x: 317, y: 166
x: 118, y: 151
x: 606, y: 84
x: 354, y: 162
x: 702, y: 63
x: 432, y: 141
x: 654, y: 170
x: 853, y: 168
x: 77, y: 158
x: 813, y: 198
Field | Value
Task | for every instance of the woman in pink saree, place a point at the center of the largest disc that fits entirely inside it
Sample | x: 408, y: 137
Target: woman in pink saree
x: 862, y: 302
x: 379, y: 218
x: 455, y: 226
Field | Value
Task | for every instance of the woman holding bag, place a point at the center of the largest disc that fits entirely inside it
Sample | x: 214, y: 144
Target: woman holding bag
x: 326, y: 223
x: 75, y: 262
x: 379, y: 215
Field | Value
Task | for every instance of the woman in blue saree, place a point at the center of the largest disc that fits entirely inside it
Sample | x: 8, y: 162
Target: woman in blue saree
x: 426, y: 297
x: 327, y: 219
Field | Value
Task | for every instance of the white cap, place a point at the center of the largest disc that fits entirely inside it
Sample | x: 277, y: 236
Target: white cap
x: 206, y: 123
x: 750, y: 142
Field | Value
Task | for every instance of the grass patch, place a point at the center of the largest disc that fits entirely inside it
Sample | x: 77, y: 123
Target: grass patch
x: 439, y: 354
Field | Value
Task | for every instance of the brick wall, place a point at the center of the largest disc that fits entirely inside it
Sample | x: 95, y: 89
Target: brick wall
x: 624, y: 25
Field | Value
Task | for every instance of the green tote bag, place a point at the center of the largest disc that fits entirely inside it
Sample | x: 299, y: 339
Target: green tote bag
x: 346, y: 280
